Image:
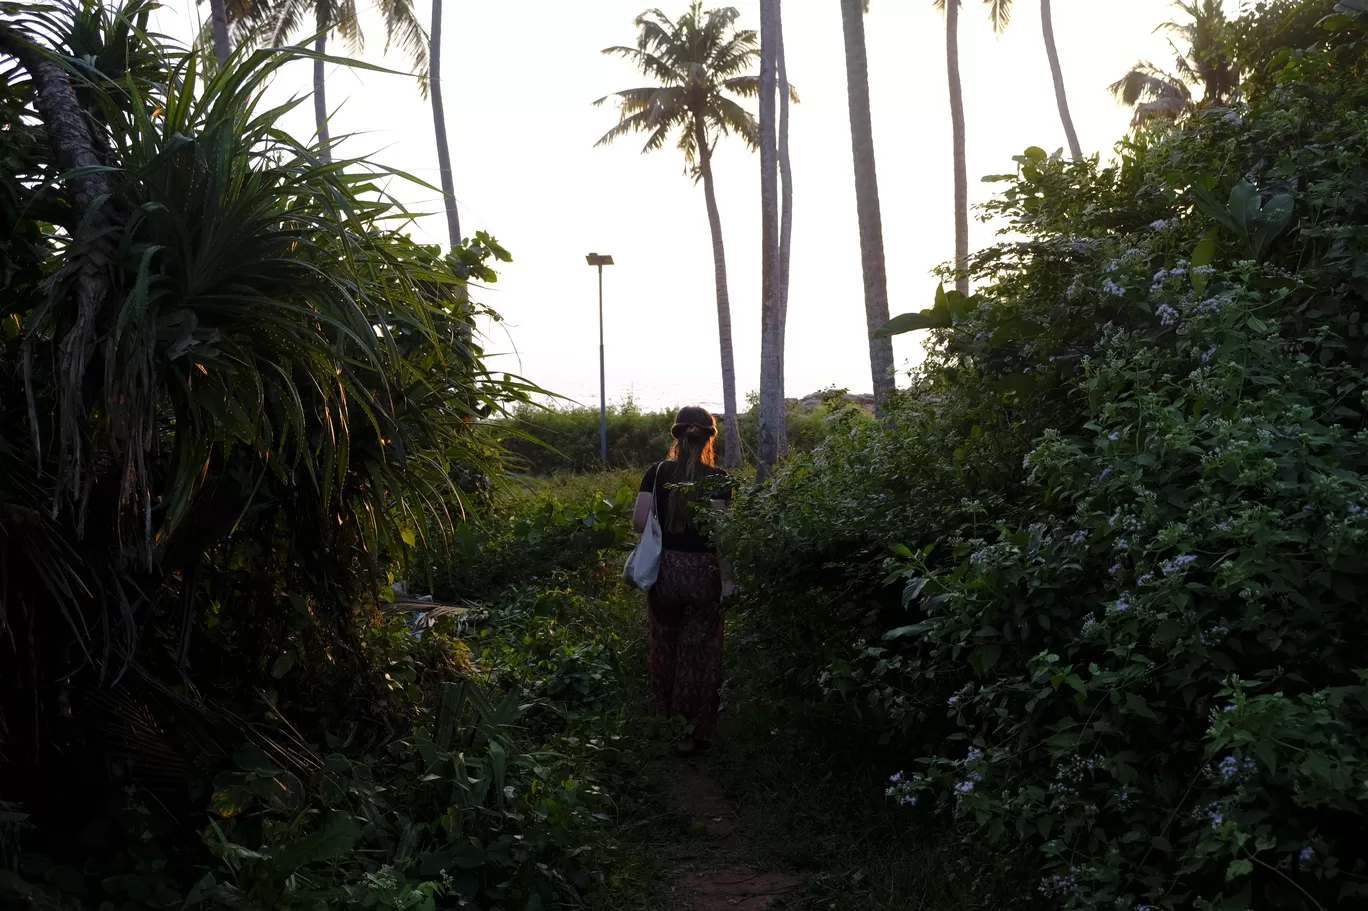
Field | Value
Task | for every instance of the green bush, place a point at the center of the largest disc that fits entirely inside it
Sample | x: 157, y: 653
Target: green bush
x: 253, y: 394
x: 544, y: 441
x: 1097, y: 579
x: 524, y: 538
x: 391, y: 770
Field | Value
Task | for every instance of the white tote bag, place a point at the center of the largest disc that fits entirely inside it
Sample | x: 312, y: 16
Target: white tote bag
x: 643, y: 566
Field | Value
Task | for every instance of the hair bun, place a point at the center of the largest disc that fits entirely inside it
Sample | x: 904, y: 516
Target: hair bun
x: 696, y: 432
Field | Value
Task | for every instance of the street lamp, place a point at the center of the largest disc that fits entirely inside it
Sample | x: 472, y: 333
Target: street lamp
x: 601, y: 260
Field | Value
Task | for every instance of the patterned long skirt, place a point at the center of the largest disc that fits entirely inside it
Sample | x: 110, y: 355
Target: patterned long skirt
x: 685, y: 611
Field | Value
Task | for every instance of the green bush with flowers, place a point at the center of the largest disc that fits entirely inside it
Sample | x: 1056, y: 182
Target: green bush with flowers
x: 1097, y: 579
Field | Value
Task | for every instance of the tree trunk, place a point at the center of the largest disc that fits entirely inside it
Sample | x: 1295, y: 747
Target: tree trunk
x: 867, y: 198
x: 73, y: 147
x: 957, y: 139
x: 1047, y: 26
x: 439, y: 124
x: 320, y: 99
x: 785, y: 212
x: 218, y: 16
x: 771, y: 409
x: 731, y: 431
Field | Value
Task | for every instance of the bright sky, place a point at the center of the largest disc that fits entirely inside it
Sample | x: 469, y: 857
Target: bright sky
x: 519, y: 78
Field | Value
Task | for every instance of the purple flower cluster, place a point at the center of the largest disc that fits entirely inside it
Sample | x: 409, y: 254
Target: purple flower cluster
x: 1178, y: 563
x: 1229, y: 767
x: 1059, y: 885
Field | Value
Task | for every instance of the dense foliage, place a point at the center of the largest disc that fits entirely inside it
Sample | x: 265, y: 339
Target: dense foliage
x: 233, y: 395
x: 545, y: 441
x: 1096, y: 580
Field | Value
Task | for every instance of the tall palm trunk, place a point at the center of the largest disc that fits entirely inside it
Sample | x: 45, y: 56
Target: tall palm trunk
x: 218, y: 17
x: 1047, y: 26
x: 770, y: 422
x: 867, y: 198
x: 439, y: 124
x: 322, y: 21
x: 957, y: 139
x: 785, y: 208
x: 731, y: 431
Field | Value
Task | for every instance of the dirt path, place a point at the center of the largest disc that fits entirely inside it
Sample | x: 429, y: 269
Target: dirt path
x: 715, y: 869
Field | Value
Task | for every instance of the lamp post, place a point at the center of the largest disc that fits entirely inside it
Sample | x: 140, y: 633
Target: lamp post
x: 601, y: 260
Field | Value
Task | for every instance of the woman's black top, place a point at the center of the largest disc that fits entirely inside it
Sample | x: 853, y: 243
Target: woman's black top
x: 713, y: 485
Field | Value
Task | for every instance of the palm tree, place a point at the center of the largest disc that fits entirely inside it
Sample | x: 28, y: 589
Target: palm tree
x: 271, y: 24
x: 785, y: 197
x: 867, y: 197
x: 1154, y: 92
x: 218, y: 18
x: 776, y: 228
x: 1000, y: 16
x: 439, y: 125
x: 1057, y: 75
x: 951, y: 11
x: 699, y: 62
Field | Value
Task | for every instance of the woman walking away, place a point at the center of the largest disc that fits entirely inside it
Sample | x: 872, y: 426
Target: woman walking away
x: 685, y: 604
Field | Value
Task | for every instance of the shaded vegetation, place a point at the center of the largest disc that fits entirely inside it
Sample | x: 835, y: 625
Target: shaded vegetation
x: 1094, y: 584
x: 545, y: 441
x: 1074, y: 624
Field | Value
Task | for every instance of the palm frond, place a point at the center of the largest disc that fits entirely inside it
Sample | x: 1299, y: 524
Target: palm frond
x: 1146, y: 82
x: 403, y: 28
x: 697, y: 59
x: 648, y: 63
x: 745, y: 86
x: 348, y: 25
x: 999, y: 14
x: 730, y: 117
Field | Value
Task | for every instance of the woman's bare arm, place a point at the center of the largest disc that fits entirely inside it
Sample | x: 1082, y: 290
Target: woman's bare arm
x: 642, y: 512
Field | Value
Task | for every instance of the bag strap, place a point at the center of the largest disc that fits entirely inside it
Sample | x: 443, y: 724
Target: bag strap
x: 655, y: 492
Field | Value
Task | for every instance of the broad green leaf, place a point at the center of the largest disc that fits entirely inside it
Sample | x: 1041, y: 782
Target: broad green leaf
x: 336, y: 837
x: 1271, y: 222
x: 912, y: 630
x: 282, y: 665
x: 1244, y: 205
x: 911, y: 322
x: 1136, y: 705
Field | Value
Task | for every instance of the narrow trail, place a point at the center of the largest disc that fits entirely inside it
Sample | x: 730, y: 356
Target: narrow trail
x: 714, y: 869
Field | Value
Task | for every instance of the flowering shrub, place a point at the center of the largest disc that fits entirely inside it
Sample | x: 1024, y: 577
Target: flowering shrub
x: 1127, y: 504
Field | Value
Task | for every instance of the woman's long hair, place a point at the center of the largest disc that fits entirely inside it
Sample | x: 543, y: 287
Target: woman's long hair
x: 693, y: 431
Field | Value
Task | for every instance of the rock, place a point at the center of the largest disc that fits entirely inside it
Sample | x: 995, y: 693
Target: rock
x: 814, y: 400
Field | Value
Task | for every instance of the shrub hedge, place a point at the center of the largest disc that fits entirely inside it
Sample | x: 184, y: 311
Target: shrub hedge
x: 547, y: 440
x: 1098, y: 578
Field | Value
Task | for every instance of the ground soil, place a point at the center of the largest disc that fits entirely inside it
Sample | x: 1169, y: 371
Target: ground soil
x: 715, y: 869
